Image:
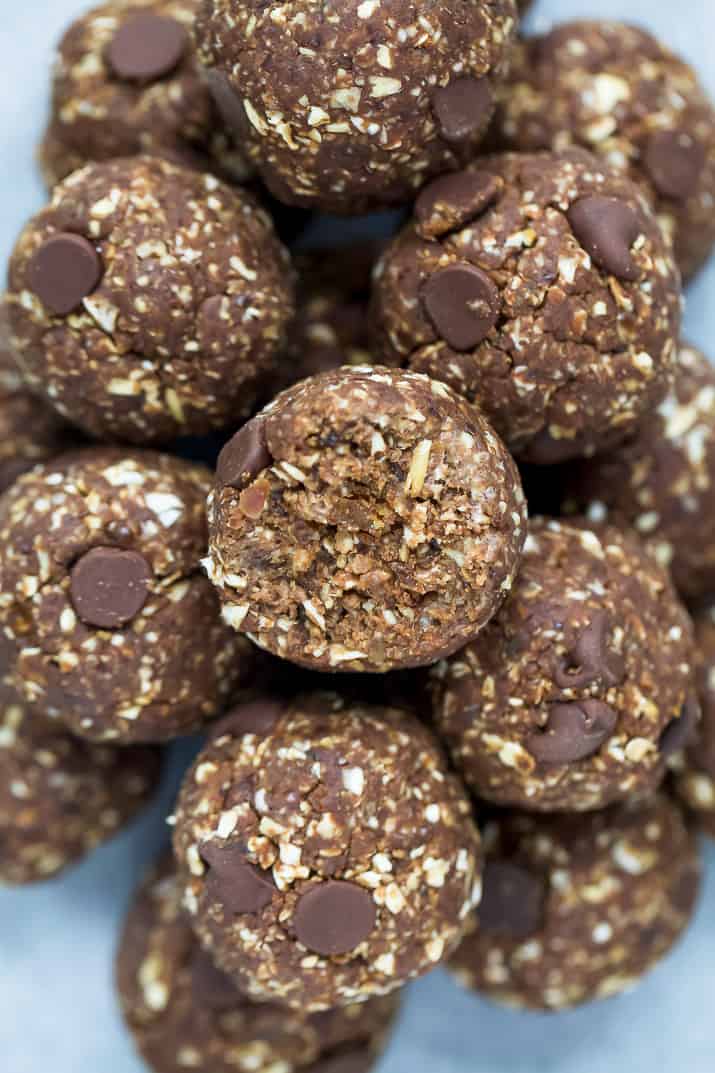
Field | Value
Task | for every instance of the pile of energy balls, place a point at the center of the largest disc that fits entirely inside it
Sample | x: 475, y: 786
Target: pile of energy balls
x: 443, y: 605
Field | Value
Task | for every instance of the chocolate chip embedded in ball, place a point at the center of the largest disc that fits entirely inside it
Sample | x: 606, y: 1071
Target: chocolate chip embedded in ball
x: 147, y: 47
x: 65, y: 269
x: 607, y: 229
x: 245, y: 456
x: 334, y: 917
x: 674, y: 161
x: 257, y: 717
x: 109, y: 586
x: 591, y: 658
x: 573, y: 732
x: 512, y: 900
x: 237, y: 884
x: 453, y: 200
x: 463, y: 108
x: 462, y: 303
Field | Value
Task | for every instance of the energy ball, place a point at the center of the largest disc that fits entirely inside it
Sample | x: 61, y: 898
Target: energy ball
x: 106, y: 619
x: 615, y: 90
x: 30, y: 431
x: 61, y: 797
x: 580, y: 689
x: 350, y: 106
x: 577, y: 908
x: 367, y: 520
x: 662, y: 480
x: 695, y: 782
x: 127, y: 80
x: 541, y: 287
x: 183, y: 1012
x: 326, y: 853
x: 149, y: 301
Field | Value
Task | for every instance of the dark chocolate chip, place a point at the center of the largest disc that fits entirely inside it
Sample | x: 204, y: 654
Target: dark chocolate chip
x: 453, y: 200
x: 245, y: 456
x: 573, y: 732
x: 512, y: 900
x: 255, y: 717
x: 680, y: 732
x: 607, y: 228
x: 64, y: 270
x: 334, y: 917
x: 591, y: 659
x: 344, y: 1060
x: 234, y: 881
x: 209, y: 986
x: 227, y: 100
x: 146, y: 47
x: 109, y: 586
x: 463, y: 108
x: 462, y: 303
x: 674, y: 161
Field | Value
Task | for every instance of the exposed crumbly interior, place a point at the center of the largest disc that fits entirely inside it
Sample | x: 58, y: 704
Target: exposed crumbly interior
x: 619, y: 888
x: 98, y: 116
x: 609, y: 87
x: 180, y: 1020
x: 333, y: 101
x: 175, y: 664
x: 183, y: 330
x: 662, y: 480
x: 576, y: 356
x: 60, y: 797
x: 493, y: 697
x: 332, y: 792
x: 385, y: 533
x: 695, y: 781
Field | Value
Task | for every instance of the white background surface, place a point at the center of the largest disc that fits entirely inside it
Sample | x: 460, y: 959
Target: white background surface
x: 57, y: 1009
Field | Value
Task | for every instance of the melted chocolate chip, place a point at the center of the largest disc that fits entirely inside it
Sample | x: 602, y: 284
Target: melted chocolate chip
x: 234, y: 881
x: 462, y: 303
x: 453, y: 200
x: 607, y: 228
x: 245, y: 456
x: 257, y: 717
x: 591, y: 659
x: 573, y: 732
x: 463, y: 108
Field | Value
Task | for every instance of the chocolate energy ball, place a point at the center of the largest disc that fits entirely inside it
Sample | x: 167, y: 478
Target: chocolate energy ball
x: 662, y: 480
x: 106, y: 619
x: 127, y: 81
x: 183, y: 1012
x: 541, y: 287
x: 61, y: 797
x: 581, y: 687
x: 346, y: 107
x: 614, y: 89
x: 367, y: 520
x: 579, y: 908
x: 149, y: 301
x: 695, y: 781
x: 30, y: 431
x: 327, y: 855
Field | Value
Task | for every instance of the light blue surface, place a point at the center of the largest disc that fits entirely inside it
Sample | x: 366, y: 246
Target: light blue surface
x: 57, y: 1009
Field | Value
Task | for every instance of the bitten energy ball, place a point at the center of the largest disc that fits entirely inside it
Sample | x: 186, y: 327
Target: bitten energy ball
x: 30, y: 431
x: 149, y: 301
x: 662, y: 480
x: 541, y: 287
x: 107, y: 620
x: 615, y: 90
x: 366, y: 520
x: 581, y: 687
x: 577, y: 908
x: 60, y: 797
x: 347, y: 106
x: 184, y: 1013
x: 695, y: 781
x: 126, y: 80
x: 327, y: 855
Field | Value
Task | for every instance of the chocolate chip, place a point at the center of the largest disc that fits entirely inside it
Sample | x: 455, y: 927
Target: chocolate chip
x: 255, y: 717
x: 607, y: 228
x: 462, y: 303
x: 109, y: 586
x: 512, y: 900
x: 210, y: 987
x: 592, y: 659
x: 146, y: 47
x: 674, y: 161
x: 453, y: 200
x: 227, y: 100
x: 63, y: 271
x: 345, y: 1060
x: 244, y: 456
x: 573, y: 732
x: 680, y: 732
x: 334, y: 917
x: 234, y: 881
x: 463, y: 108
